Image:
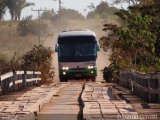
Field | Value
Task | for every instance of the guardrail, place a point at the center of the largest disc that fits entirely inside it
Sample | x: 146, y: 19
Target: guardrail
x: 146, y: 86
x: 14, y: 81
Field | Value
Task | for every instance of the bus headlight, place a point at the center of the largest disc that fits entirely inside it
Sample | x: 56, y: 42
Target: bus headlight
x: 64, y: 73
x: 90, y: 67
x: 65, y: 68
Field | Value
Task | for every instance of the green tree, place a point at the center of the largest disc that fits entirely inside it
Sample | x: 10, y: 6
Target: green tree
x: 102, y: 10
x: 133, y: 45
x: 150, y: 8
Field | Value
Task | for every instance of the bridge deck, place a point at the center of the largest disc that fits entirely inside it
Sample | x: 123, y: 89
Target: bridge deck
x: 100, y: 101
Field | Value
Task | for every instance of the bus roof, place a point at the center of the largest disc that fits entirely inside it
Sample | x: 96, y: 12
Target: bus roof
x: 73, y: 33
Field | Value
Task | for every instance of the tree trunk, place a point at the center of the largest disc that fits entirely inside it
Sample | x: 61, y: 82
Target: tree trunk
x: 135, y: 61
x: 16, y: 16
x: 12, y: 15
x: 19, y: 16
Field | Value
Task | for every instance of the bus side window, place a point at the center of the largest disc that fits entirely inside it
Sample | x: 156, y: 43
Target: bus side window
x: 97, y: 47
x: 56, y: 47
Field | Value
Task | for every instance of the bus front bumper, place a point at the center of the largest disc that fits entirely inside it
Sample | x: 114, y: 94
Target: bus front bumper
x: 79, y: 73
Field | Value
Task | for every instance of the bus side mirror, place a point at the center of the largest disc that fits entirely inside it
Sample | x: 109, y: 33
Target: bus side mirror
x: 56, y: 48
x: 97, y: 47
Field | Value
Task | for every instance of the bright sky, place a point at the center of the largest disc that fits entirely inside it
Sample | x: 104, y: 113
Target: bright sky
x: 79, y: 5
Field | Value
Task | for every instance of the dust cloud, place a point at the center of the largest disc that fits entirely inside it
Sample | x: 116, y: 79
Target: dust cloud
x: 11, y: 42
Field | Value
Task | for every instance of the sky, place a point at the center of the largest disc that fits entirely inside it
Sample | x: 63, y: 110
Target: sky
x: 79, y: 5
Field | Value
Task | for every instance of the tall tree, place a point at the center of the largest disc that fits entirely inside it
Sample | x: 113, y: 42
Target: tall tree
x: 91, y: 6
x: 16, y: 6
x: 2, y: 8
x: 20, y: 5
x: 11, y: 4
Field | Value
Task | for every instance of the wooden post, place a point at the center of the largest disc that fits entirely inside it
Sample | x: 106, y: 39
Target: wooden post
x: 159, y: 93
x: 132, y: 89
x: 0, y: 86
x: 24, y: 79
x: 3, y: 86
x: 15, y: 87
x: 149, y: 86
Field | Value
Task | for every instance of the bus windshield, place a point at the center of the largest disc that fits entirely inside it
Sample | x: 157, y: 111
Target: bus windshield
x: 77, y: 49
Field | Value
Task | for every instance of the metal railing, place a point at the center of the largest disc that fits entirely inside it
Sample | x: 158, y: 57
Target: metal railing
x: 14, y: 81
x: 146, y: 86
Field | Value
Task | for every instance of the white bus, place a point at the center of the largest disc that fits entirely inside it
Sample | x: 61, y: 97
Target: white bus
x: 77, y: 54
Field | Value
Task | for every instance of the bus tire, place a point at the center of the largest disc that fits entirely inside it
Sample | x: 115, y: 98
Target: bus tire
x: 93, y: 79
x: 62, y: 79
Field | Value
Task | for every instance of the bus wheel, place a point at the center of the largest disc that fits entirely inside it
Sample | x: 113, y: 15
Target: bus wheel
x: 62, y: 79
x: 93, y: 79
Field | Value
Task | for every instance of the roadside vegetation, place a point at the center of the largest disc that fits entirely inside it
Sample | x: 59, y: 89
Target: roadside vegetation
x: 135, y: 44
x: 39, y: 59
x: 103, y: 10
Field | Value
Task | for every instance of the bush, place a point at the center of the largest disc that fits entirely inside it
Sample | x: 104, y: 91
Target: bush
x: 133, y: 46
x: 9, y: 65
x: 39, y: 59
x: 107, y: 74
x: 28, y: 26
x: 3, y: 64
x: 47, y: 15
